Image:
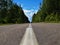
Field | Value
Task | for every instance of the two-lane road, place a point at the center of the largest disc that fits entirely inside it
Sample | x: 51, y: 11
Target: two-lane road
x: 29, y: 37
x: 46, y: 34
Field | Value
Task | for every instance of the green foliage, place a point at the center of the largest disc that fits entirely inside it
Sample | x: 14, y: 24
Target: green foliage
x: 50, y: 18
x: 47, y: 18
x: 11, y: 13
x: 49, y: 12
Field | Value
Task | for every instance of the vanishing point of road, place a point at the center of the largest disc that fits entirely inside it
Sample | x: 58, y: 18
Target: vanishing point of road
x: 30, y: 34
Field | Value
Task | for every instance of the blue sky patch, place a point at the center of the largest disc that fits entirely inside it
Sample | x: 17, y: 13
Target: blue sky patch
x: 29, y: 6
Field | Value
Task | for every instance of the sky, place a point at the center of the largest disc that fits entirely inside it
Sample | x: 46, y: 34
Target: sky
x: 29, y: 7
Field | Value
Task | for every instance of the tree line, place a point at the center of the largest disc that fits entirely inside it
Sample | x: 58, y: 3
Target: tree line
x: 11, y: 13
x: 49, y: 12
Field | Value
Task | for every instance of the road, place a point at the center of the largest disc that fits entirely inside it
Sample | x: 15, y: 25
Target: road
x: 12, y: 34
x: 29, y: 37
x: 46, y: 33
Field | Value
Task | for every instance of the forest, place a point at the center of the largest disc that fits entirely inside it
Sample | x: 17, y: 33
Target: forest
x: 11, y: 13
x: 49, y: 11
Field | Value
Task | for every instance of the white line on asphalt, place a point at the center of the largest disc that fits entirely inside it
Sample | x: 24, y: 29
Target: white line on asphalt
x: 29, y: 37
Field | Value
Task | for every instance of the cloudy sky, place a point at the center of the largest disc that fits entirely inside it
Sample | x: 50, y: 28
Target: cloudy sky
x: 29, y: 6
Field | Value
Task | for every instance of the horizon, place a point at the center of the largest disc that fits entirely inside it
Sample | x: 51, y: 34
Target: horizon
x: 29, y: 7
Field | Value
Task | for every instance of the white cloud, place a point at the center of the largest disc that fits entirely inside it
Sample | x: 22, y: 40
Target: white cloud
x: 25, y: 10
x: 29, y: 13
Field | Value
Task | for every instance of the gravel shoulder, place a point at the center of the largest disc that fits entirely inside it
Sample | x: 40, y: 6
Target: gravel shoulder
x: 47, y: 33
x: 12, y: 34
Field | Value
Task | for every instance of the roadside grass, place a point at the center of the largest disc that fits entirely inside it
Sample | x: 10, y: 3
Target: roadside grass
x: 4, y: 24
x: 51, y: 22
x: 48, y: 22
x: 12, y: 24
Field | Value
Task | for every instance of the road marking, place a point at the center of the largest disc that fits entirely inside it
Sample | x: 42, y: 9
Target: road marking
x: 29, y: 37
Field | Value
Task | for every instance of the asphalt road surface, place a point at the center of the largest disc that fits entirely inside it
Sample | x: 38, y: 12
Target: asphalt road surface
x: 29, y: 37
x: 46, y: 34
x: 12, y: 34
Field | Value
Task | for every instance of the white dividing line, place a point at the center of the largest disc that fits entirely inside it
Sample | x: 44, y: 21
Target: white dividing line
x: 29, y: 37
